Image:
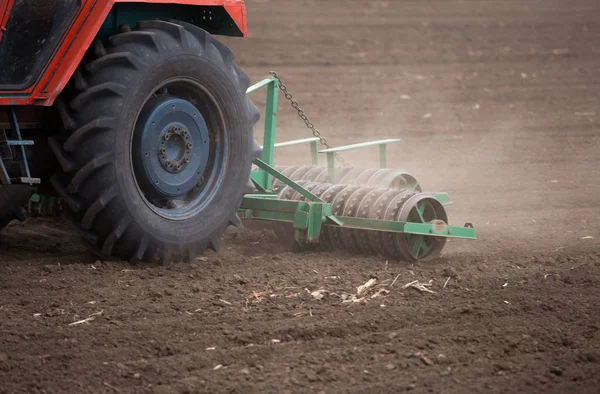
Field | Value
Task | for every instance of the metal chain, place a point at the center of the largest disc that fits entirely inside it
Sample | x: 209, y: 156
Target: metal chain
x: 302, y: 115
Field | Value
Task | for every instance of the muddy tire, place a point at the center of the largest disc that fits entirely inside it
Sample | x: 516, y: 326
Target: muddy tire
x: 158, y: 146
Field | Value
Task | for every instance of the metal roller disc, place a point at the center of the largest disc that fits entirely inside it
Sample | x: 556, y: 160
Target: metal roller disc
x: 287, y: 171
x: 350, y: 210
x: 421, y: 208
x: 338, y: 205
x: 349, y: 178
x: 361, y: 237
x: 294, y: 173
x: 313, y: 173
x: 308, y: 185
x: 341, y: 173
x: 363, y: 179
x: 387, y: 239
x: 320, y: 189
x: 322, y: 176
x: 375, y: 180
x: 286, y: 192
x: 329, y: 196
x: 400, y: 180
x: 298, y: 175
x: 331, y: 192
x: 377, y: 212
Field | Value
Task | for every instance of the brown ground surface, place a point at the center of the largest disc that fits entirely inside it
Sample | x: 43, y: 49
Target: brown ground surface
x: 497, y: 102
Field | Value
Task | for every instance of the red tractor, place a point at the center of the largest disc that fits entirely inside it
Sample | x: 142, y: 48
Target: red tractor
x: 134, y: 114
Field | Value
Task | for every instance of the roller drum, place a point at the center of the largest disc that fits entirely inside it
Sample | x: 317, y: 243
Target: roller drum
x: 351, y: 209
x: 373, y: 177
x: 365, y: 209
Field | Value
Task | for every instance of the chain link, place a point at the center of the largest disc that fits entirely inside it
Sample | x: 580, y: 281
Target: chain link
x: 302, y: 115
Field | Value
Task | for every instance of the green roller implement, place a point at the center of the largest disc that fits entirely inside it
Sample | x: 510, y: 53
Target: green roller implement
x: 373, y: 211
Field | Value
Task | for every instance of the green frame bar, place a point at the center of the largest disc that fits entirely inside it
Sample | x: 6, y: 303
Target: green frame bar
x: 272, y: 171
x: 262, y: 178
x: 314, y: 147
x: 382, y: 144
x: 260, y: 84
x: 311, y: 216
x: 360, y: 145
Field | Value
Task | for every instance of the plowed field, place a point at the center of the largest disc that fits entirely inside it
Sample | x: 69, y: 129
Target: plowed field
x: 496, y: 103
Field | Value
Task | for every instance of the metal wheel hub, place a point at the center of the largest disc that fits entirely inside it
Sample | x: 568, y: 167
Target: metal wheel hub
x: 171, y: 147
x: 176, y: 148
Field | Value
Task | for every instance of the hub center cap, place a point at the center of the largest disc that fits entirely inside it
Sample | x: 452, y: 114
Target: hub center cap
x: 170, y: 149
x: 176, y: 149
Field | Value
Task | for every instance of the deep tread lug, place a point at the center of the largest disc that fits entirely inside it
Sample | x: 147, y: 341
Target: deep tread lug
x: 243, y: 77
x: 99, y: 49
x: 95, y: 126
x: 249, y: 188
x: 146, y: 37
x: 256, y: 151
x: 200, y: 34
x: 82, y: 233
x: 97, y: 207
x: 71, y: 201
x: 214, y: 244
x: 61, y: 107
x: 92, y: 248
x: 66, y: 164
x: 191, y: 254
x: 254, y: 112
x: 125, y: 28
x: 139, y: 253
x: 173, y: 28
x: 103, y: 90
x: 234, y: 220
x: 225, y: 52
x: 166, y: 257
x: 79, y: 81
x: 87, y: 170
x: 126, y: 59
x: 115, y: 235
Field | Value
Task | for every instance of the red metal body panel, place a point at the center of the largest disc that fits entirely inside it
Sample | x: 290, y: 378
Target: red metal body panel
x: 79, y: 37
x: 5, y: 7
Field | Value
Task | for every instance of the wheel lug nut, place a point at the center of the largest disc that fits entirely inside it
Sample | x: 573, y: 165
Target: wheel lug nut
x: 189, y: 145
x: 184, y: 132
x: 168, y: 163
x: 163, y: 151
x: 187, y: 159
x: 166, y: 136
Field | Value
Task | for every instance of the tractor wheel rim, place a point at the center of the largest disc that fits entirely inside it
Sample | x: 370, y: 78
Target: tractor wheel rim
x: 179, y: 149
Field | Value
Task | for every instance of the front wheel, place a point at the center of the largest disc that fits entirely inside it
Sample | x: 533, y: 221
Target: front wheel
x: 159, y: 144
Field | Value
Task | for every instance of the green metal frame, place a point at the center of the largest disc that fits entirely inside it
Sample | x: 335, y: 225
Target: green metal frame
x: 262, y: 178
x: 382, y: 144
x: 308, y: 217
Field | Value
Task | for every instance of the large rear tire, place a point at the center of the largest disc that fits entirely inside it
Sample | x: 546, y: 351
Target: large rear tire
x: 158, y: 147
